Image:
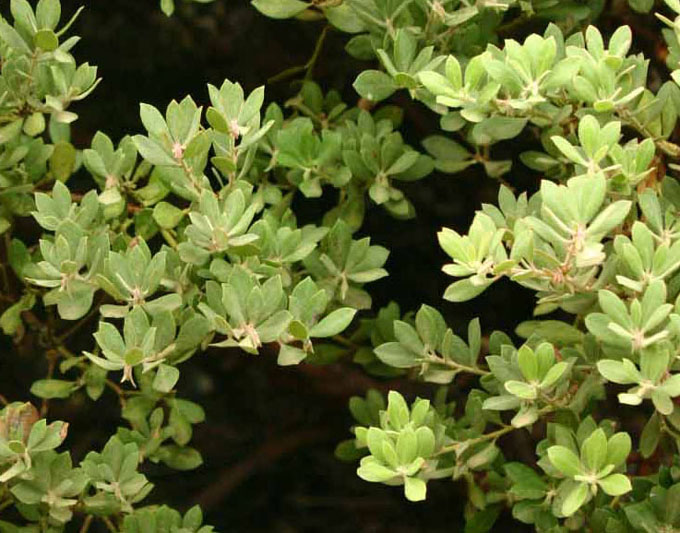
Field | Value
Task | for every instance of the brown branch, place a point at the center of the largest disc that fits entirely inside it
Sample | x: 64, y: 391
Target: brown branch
x: 267, y: 454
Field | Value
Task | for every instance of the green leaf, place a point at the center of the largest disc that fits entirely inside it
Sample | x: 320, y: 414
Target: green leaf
x: 10, y: 36
x: 464, y: 290
x: 290, y: 355
x: 334, y: 323
x: 617, y: 371
x: 52, y: 388
x: 612, y: 216
x: 168, y: 7
x: 280, y: 9
x: 415, y: 489
x: 575, y: 499
x: 166, y: 378
x: 501, y: 403
x: 521, y: 390
x: 618, y: 448
x: 554, y: 331
x: 180, y: 457
x: 554, y: 374
x: 46, y: 40
x: 651, y: 433
x: 344, y: 18
x: 662, y: 402
x: 63, y: 160
x: 396, y: 355
x: 641, y: 6
x: 153, y: 152
x: 594, y: 451
x: 375, y: 85
x: 10, y: 320
x: 166, y: 215
x: 372, y: 470
x: 407, y: 447
x: 615, y: 484
x: 498, y: 129
x: 565, y: 461
x: 528, y: 363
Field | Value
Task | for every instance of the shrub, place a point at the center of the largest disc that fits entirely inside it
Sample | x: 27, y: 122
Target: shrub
x: 187, y: 240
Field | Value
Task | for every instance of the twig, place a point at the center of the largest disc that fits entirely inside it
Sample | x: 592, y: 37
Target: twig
x: 120, y: 392
x: 265, y: 455
x: 456, y: 366
x: 488, y: 436
x: 61, y: 338
x: 345, y: 342
x: 169, y: 239
x: 109, y: 525
x: 6, y: 504
x: 51, y: 364
x: 308, y: 67
x: 86, y: 523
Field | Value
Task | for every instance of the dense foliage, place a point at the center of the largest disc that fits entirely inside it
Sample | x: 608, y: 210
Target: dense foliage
x: 187, y: 239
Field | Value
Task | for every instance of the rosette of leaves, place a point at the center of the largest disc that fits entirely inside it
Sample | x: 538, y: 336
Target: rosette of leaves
x: 177, y: 145
x: 157, y: 519
x: 116, y: 172
x: 109, y: 165
x: 68, y: 267
x: 653, y: 380
x: 589, y: 464
x: 528, y: 78
x: 134, y: 276
x: 307, y: 305
x: 432, y: 347
x: 144, y: 342
x: 658, y: 512
x: 314, y: 158
x: 219, y: 226
x: 113, y: 473
x: 34, y: 34
x: 573, y: 221
x: 341, y: 265
x: 402, y: 449
x: 641, y: 325
x: 475, y: 255
x: 282, y: 245
x: 161, y: 424
x: 237, y: 127
x: 600, y: 151
x: 248, y: 312
x: 652, y: 251
x: 52, y: 211
x: 23, y: 436
x: 402, y: 64
x: 376, y: 155
x: 556, y: 250
x: 520, y: 72
x: 328, y: 110
x: 530, y: 492
x: 70, y: 261
x: 531, y: 379
x: 52, y: 489
x: 366, y: 412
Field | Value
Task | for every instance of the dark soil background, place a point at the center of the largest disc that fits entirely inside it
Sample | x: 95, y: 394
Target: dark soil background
x: 270, y: 432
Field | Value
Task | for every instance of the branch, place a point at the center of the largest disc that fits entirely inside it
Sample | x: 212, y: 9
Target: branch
x: 266, y: 455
